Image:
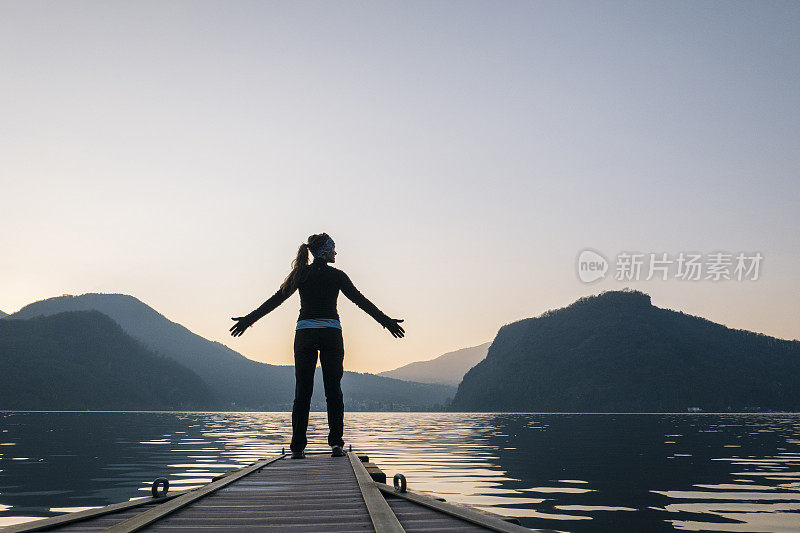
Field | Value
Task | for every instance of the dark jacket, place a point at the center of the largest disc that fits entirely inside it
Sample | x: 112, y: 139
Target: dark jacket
x: 318, y: 294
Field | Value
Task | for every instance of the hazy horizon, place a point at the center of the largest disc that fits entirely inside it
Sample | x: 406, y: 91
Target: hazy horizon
x: 461, y: 155
x: 424, y: 360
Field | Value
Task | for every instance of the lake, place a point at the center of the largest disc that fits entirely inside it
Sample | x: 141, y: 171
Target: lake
x: 568, y: 472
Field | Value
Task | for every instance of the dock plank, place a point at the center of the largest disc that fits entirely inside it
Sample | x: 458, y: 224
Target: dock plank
x: 381, y: 515
x: 415, y: 518
x: 318, y: 493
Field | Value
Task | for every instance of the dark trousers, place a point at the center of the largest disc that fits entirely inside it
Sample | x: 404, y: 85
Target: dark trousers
x: 330, y: 344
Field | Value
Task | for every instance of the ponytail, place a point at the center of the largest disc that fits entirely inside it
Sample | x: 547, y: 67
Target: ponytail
x: 299, y: 270
x: 300, y: 266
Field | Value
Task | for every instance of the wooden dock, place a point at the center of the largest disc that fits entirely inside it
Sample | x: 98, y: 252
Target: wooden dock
x: 317, y: 494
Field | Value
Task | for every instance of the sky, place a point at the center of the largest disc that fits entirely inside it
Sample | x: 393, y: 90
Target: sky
x: 461, y: 154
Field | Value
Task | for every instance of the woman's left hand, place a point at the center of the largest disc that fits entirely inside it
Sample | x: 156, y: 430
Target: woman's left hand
x: 242, y: 323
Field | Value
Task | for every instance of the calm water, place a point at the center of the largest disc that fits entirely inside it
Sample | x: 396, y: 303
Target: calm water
x: 569, y: 472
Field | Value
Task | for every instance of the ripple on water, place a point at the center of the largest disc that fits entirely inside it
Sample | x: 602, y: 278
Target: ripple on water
x: 577, y: 472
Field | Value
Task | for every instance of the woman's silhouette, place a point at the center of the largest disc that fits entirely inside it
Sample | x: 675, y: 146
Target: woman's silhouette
x: 318, y: 328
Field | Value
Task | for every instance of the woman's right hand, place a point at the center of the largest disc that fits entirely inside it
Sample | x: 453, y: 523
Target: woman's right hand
x: 395, y: 328
x: 242, y: 323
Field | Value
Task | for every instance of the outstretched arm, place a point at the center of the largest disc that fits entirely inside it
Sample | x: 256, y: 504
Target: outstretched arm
x: 244, y: 322
x: 370, y: 308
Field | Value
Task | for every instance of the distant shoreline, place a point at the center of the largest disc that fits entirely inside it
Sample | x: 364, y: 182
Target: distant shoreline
x: 431, y: 412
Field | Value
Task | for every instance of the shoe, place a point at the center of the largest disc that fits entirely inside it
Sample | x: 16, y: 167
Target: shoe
x: 336, y: 451
x: 298, y: 455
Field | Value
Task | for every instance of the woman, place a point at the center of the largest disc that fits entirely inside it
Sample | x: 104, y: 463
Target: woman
x: 318, y: 328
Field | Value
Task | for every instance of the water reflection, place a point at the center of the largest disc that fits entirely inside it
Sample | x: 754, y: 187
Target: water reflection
x: 568, y: 472
x: 647, y: 463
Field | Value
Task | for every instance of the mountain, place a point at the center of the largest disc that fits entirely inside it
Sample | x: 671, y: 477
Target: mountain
x: 240, y: 383
x: 235, y: 379
x: 447, y: 369
x: 83, y: 360
x: 3, y: 315
x: 616, y: 352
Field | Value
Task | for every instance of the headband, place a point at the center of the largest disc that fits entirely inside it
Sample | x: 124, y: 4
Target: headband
x: 324, y: 249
